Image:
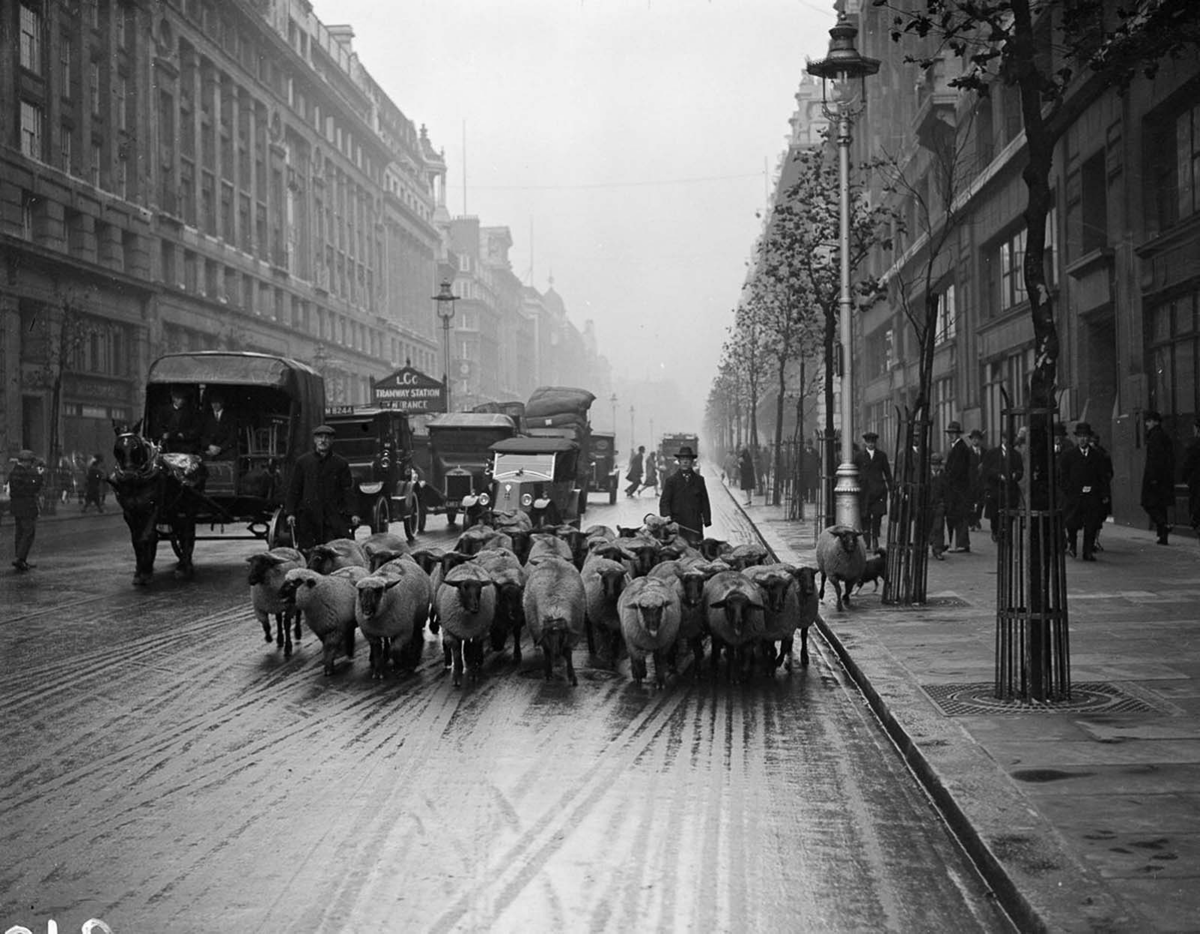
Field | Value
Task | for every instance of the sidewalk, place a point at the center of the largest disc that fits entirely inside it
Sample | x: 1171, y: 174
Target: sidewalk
x: 1084, y: 817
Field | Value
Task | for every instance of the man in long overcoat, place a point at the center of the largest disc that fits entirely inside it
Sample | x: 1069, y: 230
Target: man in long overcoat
x: 874, y: 484
x: 1001, y: 470
x: 685, y: 498
x: 1158, y: 479
x: 1085, y: 475
x: 25, y: 483
x: 958, y: 488
x: 320, y: 497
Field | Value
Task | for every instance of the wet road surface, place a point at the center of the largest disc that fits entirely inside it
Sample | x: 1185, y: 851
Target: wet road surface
x: 166, y: 771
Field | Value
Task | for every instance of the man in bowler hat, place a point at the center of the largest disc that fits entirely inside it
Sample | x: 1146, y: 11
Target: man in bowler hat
x: 958, y: 488
x: 684, y: 498
x: 1085, y: 474
x: 1158, y: 479
x: 874, y: 483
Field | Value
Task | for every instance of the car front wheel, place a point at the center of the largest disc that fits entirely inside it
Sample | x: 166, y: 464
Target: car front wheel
x: 380, y: 515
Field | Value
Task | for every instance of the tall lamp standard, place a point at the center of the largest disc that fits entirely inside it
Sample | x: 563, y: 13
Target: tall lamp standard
x: 613, y: 401
x: 445, y: 299
x: 848, y: 71
x: 632, y: 446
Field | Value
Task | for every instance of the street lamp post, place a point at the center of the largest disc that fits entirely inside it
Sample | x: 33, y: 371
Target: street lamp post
x: 613, y: 401
x: 848, y: 70
x: 445, y: 310
x: 632, y: 446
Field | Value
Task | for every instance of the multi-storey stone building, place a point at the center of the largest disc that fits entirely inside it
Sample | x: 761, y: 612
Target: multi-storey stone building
x: 1123, y: 256
x: 200, y: 175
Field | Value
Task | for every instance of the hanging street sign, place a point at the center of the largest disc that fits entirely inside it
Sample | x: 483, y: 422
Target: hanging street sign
x: 410, y: 390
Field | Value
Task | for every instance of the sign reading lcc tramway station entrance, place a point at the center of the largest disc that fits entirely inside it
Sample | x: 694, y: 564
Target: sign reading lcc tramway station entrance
x: 410, y: 390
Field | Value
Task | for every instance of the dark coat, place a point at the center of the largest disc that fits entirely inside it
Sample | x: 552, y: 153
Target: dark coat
x: 746, y: 475
x: 958, y: 479
x: 635, y: 469
x: 179, y: 429
x: 321, y: 493
x: 1001, y: 469
x: 93, y: 480
x: 24, y: 487
x: 685, y: 500
x: 1158, y: 479
x: 874, y: 479
x: 219, y: 432
x: 1191, y: 476
x: 810, y: 468
x: 1085, y: 481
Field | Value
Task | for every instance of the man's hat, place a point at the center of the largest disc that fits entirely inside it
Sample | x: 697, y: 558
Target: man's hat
x: 936, y: 458
x: 26, y: 455
x: 686, y: 451
x: 976, y: 433
x: 1083, y: 429
x: 1151, y: 416
x: 870, y: 436
x: 1060, y: 429
x: 323, y: 430
x: 954, y: 428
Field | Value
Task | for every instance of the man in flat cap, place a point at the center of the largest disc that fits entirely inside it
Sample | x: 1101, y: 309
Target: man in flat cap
x: 1158, y: 479
x: 958, y: 488
x: 25, y: 482
x: 1085, y: 474
x: 874, y: 483
x: 320, y: 497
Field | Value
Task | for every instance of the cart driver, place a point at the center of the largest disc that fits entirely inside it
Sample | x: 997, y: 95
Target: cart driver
x: 320, y: 497
x: 218, y: 436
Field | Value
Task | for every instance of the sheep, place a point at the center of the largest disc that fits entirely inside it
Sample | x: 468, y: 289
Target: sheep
x: 603, y: 582
x: 841, y: 559
x: 791, y: 603
x: 555, y: 607
x: 689, y: 578
x: 650, y: 618
x: 267, y: 571
x: 508, y: 576
x: 713, y: 548
x: 659, y: 528
x: 874, y: 570
x: 328, y: 604
x: 599, y: 531
x: 339, y: 553
x: 546, y: 544
x: 466, y: 606
x: 478, y: 537
x: 449, y: 561
x: 381, y: 547
x: 746, y: 555
x: 735, y: 616
x: 577, y: 542
x: 391, y: 609
x: 645, y: 550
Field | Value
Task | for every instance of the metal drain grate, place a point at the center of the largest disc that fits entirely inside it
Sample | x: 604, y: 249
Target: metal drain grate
x: 957, y: 700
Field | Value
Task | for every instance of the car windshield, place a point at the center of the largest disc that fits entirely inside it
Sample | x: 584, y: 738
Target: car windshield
x: 539, y: 466
x: 356, y: 440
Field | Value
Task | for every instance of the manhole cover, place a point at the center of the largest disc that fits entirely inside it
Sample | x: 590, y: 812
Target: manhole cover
x: 958, y: 700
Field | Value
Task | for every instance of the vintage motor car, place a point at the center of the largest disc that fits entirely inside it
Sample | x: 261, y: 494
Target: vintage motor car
x: 538, y: 476
x: 604, y: 475
x: 460, y: 460
x: 377, y: 441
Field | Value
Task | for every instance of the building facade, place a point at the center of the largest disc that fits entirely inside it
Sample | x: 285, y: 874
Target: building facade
x: 1122, y: 258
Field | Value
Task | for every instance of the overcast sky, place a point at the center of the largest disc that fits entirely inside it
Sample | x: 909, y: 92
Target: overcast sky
x: 627, y: 145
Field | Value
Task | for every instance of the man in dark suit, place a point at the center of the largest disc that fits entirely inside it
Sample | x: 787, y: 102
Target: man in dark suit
x: 874, y: 484
x: 975, y: 448
x: 320, y: 496
x: 179, y: 424
x: 685, y: 498
x: 958, y: 488
x: 1158, y: 479
x: 1084, y: 477
x: 218, y: 436
x: 1001, y: 470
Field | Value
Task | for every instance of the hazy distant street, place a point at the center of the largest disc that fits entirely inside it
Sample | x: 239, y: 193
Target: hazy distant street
x: 166, y: 770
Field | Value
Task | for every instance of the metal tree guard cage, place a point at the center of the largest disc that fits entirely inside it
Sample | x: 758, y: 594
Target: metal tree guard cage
x: 1032, y: 638
x: 908, y: 531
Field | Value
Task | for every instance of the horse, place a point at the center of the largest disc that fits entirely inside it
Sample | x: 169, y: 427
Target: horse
x: 153, y: 489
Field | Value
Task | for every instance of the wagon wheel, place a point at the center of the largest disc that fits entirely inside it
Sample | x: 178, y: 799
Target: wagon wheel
x: 380, y: 515
x: 278, y: 533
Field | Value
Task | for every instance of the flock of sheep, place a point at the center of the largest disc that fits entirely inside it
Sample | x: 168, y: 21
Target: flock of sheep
x: 642, y: 592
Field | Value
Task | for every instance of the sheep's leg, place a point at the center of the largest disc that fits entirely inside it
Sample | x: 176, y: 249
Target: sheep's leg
x: 456, y: 650
x: 517, y: 641
x: 660, y: 668
x: 804, y: 645
x: 821, y: 592
x: 348, y: 639
x: 568, y: 654
x: 697, y: 646
x: 447, y: 652
x: 547, y: 659
x: 330, y: 645
x: 591, y: 634
x: 785, y: 652
x: 296, y: 624
x: 837, y: 589
x: 718, y: 646
x: 637, y: 667
x: 376, y: 646
x: 264, y: 620
x: 284, y: 628
x: 474, y: 659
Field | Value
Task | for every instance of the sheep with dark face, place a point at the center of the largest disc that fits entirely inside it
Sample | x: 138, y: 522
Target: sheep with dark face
x: 735, y: 619
x: 339, y: 553
x: 645, y: 549
x: 555, y: 609
x: 328, y: 603
x: 391, y: 609
x: 466, y: 604
x: 746, y: 555
x: 508, y: 577
x: 603, y: 582
x: 790, y: 595
x: 382, y: 547
x: 841, y: 559
x: 267, y: 572
x: 449, y: 561
x: 479, y: 537
x: 548, y: 544
x: 689, y: 578
x: 650, y: 618
x: 874, y: 570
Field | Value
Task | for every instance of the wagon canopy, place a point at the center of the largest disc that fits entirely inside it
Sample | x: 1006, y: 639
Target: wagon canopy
x: 472, y: 420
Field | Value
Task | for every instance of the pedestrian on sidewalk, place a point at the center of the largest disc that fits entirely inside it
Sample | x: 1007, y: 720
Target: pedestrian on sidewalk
x: 25, y: 483
x: 1191, y: 475
x: 650, y: 478
x: 958, y: 488
x: 746, y: 475
x: 976, y: 452
x: 634, y: 474
x: 1002, y: 469
x: 935, y: 516
x: 684, y: 498
x: 93, y: 484
x: 874, y: 482
x: 1158, y: 478
x: 810, y: 471
x: 1085, y: 477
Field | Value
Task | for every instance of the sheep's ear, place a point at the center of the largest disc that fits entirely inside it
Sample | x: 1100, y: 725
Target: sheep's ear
x: 718, y: 605
x: 392, y: 583
x: 755, y: 606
